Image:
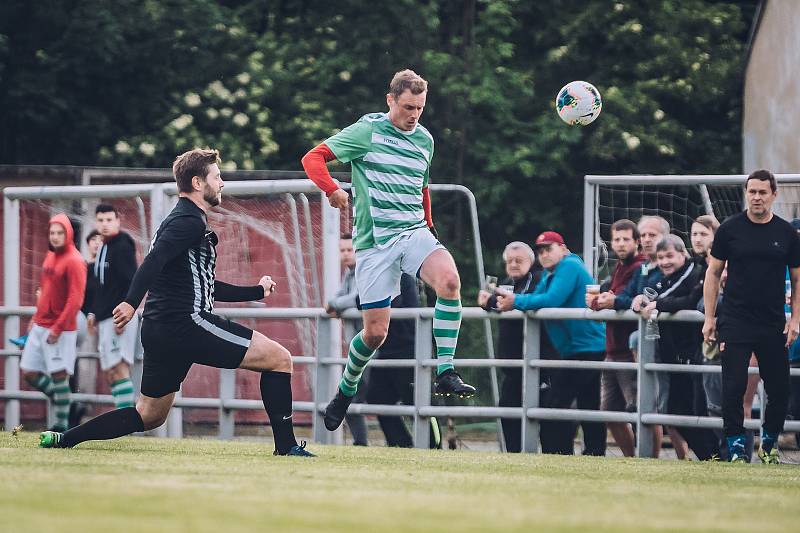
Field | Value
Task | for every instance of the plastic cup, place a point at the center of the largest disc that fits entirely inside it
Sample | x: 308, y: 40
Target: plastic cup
x: 593, y: 289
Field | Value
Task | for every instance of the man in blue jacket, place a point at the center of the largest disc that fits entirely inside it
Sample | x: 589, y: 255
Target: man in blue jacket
x: 564, y: 285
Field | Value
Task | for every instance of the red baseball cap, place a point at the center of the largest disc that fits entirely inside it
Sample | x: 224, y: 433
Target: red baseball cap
x: 547, y: 238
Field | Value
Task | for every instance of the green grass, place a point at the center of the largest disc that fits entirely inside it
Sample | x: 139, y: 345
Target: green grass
x: 146, y: 484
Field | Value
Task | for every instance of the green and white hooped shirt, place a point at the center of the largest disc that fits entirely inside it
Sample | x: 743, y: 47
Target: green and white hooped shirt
x: 390, y: 167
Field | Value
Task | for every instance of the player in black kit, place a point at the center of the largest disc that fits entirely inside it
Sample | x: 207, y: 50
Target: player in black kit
x: 179, y: 327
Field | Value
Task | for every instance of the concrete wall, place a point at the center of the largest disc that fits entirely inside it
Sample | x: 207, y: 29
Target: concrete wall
x: 771, y: 129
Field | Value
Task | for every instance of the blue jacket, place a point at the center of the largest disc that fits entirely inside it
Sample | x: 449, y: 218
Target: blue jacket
x: 565, y: 286
x: 647, y: 275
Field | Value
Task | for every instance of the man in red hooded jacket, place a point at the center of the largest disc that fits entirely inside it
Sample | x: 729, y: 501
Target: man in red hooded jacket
x: 49, y: 356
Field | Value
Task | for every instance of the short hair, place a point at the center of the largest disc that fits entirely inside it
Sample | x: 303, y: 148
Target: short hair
x: 671, y: 241
x: 519, y: 245
x: 346, y: 236
x: 407, y: 80
x: 709, y: 221
x: 193, y: 163
x: 661, y: 221
x: 624, y: 224
x: 763, y: 175
x: 94, y: 233
x: 106, y: 208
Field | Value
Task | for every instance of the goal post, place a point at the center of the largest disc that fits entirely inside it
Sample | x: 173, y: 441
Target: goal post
x: 678, y: 198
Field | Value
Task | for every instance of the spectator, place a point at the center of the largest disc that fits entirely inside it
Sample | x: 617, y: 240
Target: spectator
x: 49, y: 355
x: 388, y: 385
x: 651, y: 230
x: 524, y: 274
x: 114, y: 268
x: 564, y: 285
x: 681, y: 288
x: 794, y: 355
x: 618, y: 389
x: 347, y: 298
x: 756, y: 246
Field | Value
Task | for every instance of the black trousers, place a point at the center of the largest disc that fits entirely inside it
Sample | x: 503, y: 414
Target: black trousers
x: 687, y: 397
x: 773, y: 366
x: 580, y: 386
x: 389, y: 386
x: 511, y: 396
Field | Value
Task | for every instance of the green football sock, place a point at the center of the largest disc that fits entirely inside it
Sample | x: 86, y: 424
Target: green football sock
x: 446, y: 323
x: 61, y: 400
x: 357, y: 358
x: 44, y: 384
x: 122, y: 391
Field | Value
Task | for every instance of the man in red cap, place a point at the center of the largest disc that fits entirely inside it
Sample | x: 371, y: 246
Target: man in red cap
x: 564, y: 285
x: 49, y: 356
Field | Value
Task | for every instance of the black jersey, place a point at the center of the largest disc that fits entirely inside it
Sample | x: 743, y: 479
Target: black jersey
x: 113, y: 271
x: 179, y: 269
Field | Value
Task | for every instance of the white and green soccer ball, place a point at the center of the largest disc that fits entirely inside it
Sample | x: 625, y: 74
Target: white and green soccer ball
x: 578, y: 102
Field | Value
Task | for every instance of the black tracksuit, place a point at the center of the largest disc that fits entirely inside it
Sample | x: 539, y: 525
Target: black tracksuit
x: 113, y: 271
x: 510, y: 340
x: 680, y: 344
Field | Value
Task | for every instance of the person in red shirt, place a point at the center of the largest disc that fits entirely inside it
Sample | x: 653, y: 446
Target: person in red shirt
x: 49, y: 356
x: 618, y: 388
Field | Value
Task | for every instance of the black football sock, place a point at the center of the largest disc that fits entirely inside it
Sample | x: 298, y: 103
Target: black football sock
x: 276, y: 393
x: 110, y: 425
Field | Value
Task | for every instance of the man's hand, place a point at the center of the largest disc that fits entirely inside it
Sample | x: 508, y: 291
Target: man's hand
x: 483, y: 298
x: 605, y: 301
x: 338, y: 199
x: 636, y: 305
x: 792, y: 330
x: 268, y: 285
x: 122, y: 314
x: 331, y: 311
x: 91, y: 324
x: 505, y: 300
x: 647, y: 310
x: 710, y: 330
x: 52, y: 338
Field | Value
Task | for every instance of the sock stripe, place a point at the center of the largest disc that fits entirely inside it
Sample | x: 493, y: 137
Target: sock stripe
x: 439, y: 332
x: 447, y: 315
x: 447, y: 302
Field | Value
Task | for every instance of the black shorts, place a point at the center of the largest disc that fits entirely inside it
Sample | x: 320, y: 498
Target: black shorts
x: 171, y: 348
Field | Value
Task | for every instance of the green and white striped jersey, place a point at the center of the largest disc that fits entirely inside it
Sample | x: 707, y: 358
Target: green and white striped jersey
x: 389, y: 167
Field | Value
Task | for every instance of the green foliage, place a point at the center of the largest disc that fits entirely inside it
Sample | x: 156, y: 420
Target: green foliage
x: 134, y: 83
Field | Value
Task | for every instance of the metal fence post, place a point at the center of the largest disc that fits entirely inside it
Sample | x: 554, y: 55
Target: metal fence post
x: 11, y: 243
x: 647, y: 393
x: 175, y: 420
x: 227, y: 391
x: 322, y: 385
x: 530, y: 385
x: 422, y: 381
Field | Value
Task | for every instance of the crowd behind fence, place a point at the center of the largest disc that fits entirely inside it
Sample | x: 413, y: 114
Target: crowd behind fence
x: 327, y: 369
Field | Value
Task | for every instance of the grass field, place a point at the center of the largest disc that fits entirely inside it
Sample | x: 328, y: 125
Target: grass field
x: 146, y: 484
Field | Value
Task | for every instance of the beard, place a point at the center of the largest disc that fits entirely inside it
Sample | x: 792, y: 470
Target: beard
x: 212, y: 198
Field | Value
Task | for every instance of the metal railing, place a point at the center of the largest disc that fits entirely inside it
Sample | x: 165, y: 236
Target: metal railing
x: 327, y: 371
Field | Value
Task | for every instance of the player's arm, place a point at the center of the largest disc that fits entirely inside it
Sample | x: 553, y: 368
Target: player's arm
x: 351, y: 143
x: 174, y: 239
x: 125, y: 261
x: 227, y: 292
x: 76, y: 288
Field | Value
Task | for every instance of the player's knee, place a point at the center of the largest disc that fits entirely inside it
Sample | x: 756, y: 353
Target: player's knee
x: 284, y: 361
x: 30, y: 377
x: 450, y: 283
x: 374, y: 339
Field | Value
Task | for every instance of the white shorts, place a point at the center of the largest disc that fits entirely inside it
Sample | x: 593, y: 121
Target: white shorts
x: 114, y: 348
x: 38, y: 356
x: 378, y: 269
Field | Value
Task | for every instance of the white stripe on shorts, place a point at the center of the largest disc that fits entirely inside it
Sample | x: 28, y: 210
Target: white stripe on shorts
x: 219, y: 332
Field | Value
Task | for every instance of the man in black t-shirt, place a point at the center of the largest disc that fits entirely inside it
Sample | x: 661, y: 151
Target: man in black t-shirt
x: 757, y: 246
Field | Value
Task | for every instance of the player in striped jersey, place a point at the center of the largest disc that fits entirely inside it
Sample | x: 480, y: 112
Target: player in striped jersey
x: 390, y: 156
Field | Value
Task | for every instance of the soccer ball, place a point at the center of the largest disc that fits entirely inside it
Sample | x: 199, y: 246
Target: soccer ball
x: 578, y: 102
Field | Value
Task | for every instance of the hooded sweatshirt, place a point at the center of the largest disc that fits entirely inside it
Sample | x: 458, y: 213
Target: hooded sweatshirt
x: 113, y: 268
x: 565, y: 286
x: 63, y: 283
